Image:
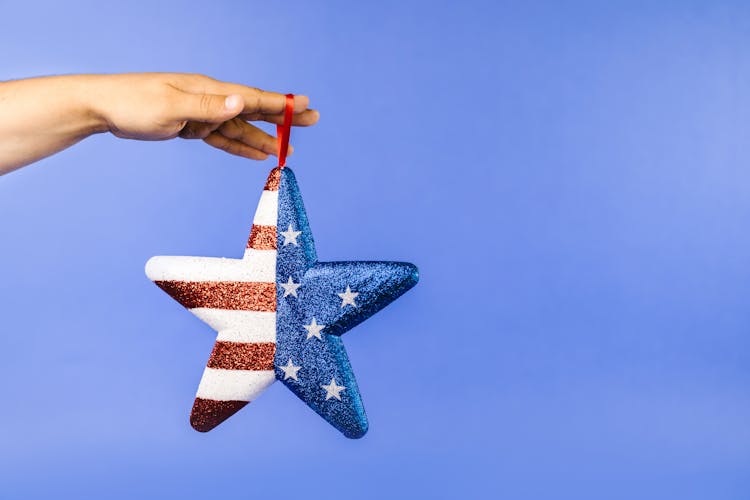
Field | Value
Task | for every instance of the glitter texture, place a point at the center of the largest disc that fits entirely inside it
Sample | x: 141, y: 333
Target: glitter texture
x: 272, y: 183
x: 262, y: 238
x: 207, y: 413
x: 242, y: 356
x: 233, y: 295
x: 376, y: 284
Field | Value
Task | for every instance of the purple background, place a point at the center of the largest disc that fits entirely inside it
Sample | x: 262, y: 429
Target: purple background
x: 572, y: 178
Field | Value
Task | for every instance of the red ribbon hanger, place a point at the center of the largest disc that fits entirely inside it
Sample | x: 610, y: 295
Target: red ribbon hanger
x: 284, y: 131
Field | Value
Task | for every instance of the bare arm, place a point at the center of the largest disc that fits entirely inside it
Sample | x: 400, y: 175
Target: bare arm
x: 41, y: 116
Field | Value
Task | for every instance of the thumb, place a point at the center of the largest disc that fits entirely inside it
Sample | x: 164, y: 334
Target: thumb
x: 209, y: 108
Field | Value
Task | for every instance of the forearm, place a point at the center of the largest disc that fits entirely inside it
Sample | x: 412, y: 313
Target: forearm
x: 41, y: 116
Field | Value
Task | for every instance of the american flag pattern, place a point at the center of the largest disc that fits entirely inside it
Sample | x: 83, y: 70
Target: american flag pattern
x: 279, y: 313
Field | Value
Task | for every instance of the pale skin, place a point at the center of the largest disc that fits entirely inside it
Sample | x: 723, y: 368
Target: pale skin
x: 41, y: 116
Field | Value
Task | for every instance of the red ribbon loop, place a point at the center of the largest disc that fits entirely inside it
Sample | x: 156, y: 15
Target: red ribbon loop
x: 284, y: 131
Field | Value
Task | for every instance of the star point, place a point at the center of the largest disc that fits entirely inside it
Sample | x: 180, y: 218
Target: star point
x: 290, y: 370
x: 347, y: 298
x: 333, y: 390
x: 313, y: 329
x: 290, y: 287
x: 290, y: 236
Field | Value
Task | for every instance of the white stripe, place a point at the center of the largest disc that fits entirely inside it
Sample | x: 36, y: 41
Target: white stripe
x: 239, y: 326
x: 233, y: 385
x: 268, y: 209
x: 250, y: 253
x: 257, y: 266
x: 262, y: 260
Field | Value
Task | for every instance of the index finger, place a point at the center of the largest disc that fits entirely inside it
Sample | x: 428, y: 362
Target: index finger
x: 256, y: 100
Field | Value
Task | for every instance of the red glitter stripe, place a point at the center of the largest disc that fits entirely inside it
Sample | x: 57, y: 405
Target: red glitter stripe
x: 230, y: 295
x: 242, y: 356
x: 272, y: 183
x: 262, y: 238
x: 207, y: 413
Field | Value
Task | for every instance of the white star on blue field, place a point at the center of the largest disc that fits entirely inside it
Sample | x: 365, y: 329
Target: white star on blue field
x: 316, y: 303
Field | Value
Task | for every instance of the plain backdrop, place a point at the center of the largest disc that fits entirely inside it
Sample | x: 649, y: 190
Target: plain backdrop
x: 571, y: 178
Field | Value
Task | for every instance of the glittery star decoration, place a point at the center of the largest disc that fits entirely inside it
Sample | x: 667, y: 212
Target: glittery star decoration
x: 280, y: 313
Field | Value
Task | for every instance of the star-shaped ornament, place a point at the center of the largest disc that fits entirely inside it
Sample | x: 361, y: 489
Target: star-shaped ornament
x: 280, y: 313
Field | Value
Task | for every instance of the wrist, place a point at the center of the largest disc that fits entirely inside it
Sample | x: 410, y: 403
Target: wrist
x: 90, y: 97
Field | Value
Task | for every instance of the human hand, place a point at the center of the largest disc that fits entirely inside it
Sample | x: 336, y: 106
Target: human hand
x: 160, y: 106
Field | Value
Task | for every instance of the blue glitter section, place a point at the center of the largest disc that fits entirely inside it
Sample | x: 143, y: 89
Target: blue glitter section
x: 377, y: 285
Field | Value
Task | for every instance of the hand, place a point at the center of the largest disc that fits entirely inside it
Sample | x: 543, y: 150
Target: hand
x: 41, y: 116
x: 160, y: 106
